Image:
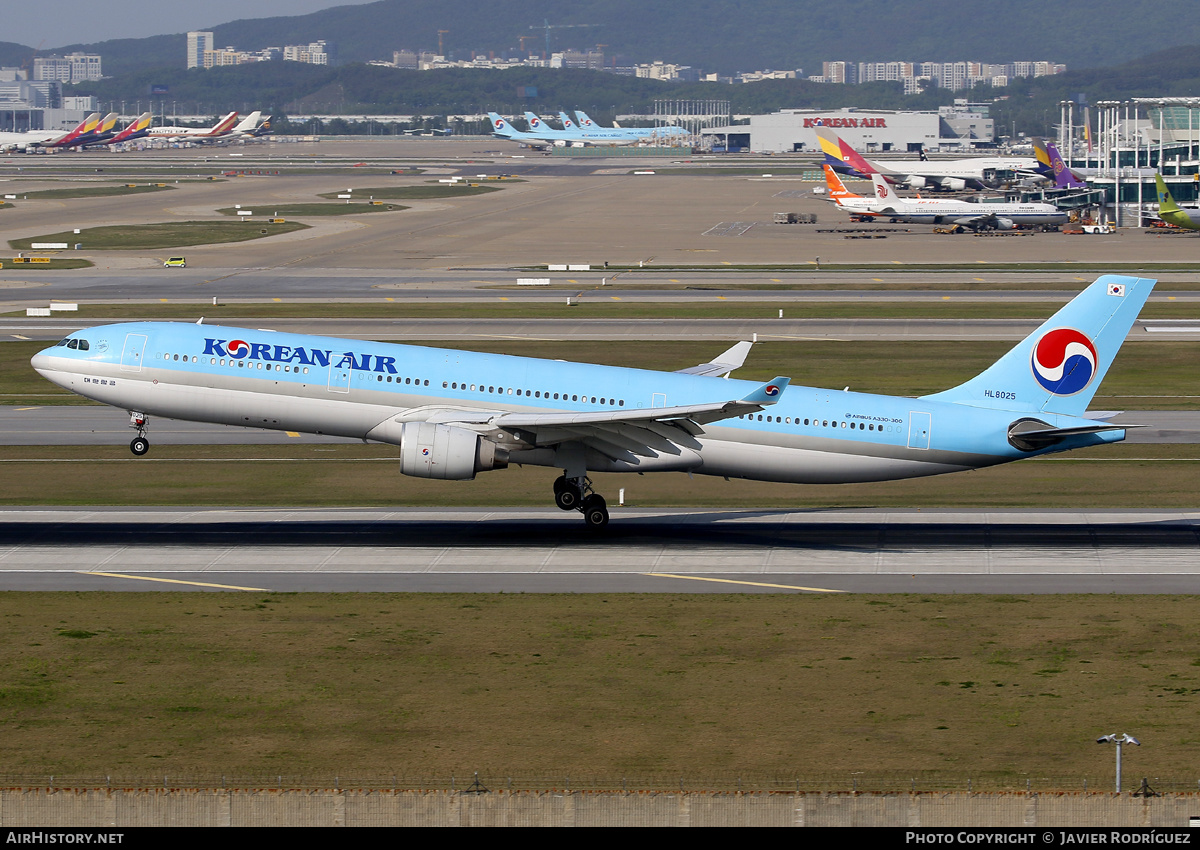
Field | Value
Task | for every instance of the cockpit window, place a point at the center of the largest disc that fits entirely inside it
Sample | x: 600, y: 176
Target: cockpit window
x: 62, y: 342
x: 83, y: 345
x: 76, y: 343
x: 73, y: 344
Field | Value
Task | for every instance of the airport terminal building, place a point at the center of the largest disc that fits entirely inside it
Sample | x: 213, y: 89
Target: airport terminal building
x: 867, y: 130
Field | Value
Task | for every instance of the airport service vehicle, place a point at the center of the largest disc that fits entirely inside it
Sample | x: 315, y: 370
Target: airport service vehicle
x: 1171, y: 212
x: 454, y: 414
x: 950, y: 175
x: 175, y: 263
x: 947, y: 211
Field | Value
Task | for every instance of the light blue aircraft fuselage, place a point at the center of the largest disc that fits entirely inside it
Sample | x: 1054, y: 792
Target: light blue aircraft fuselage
x: 456, y: 413
x: 669, y: 135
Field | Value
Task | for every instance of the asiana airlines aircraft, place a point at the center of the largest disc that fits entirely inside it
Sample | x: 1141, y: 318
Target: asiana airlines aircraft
x: 454, y: 414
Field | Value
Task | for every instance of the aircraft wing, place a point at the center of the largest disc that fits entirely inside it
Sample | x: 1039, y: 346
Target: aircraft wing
x: 645, y: 432
x: 987, y: 219
x: 624, y: 434
x: 700, y: 414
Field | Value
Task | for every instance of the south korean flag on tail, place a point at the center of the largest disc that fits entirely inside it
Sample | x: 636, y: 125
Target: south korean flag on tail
x: 1117, y: 289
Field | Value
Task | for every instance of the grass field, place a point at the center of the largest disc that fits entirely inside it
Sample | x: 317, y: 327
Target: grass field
x: 94, y: 191
x: 130, y: 237
x: 353, y: 474
x: 1000, y: 690
x: 414, y: 193
x: 306, y: 210
x: 6, y: 264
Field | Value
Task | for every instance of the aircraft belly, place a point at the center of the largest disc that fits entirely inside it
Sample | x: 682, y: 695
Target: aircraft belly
x: 796, y: 465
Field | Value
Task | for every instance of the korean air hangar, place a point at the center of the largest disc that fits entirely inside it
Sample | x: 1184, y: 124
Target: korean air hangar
x: 866, y: 130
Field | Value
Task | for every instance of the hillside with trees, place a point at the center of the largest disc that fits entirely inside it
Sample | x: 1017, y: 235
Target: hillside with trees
x: 714, y: 35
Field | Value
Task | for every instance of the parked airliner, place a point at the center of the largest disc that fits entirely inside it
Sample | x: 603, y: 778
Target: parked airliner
x: 454, y: 414
x: 950, y: 175
x: 974, y: 215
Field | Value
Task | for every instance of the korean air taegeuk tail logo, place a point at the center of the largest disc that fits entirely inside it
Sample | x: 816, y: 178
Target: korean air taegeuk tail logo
x: 1064, y: 361
x: 772, y: 390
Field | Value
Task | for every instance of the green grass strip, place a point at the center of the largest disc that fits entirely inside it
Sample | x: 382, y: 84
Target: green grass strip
x: 128, y: 237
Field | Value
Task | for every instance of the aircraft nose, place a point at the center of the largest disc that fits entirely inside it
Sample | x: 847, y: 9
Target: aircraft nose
x: 41, y: 360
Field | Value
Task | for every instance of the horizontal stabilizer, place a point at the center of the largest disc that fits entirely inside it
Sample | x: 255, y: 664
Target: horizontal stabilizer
x: 768, y: 393
x: 1030, y: 435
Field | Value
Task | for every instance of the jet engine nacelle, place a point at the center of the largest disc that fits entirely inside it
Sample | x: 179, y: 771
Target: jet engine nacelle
x: 1005, y: 224
x: 428, y: 450
x: 560, y: 143
x: 953, y: 184
x: 916, y: 182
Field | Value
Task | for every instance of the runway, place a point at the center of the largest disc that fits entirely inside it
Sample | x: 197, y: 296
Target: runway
x: 93, y: 425
x: 643, y: 551
x: 143, y: 283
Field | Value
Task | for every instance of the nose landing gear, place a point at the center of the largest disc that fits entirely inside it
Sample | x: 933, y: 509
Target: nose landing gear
x: 575, y: 494
x: 139, y: 445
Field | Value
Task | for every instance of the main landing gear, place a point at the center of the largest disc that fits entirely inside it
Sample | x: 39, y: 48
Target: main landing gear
x: 139, y: 445
x: 575, y: 494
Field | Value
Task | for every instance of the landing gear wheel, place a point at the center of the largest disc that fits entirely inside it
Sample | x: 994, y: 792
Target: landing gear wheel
x: 139, y: 446
x: 595, y: 511
x: 568, y: 497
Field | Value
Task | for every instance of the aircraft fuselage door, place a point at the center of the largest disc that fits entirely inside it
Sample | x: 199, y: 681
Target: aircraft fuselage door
x: 339, y: 376
x: 132, y: 353
x: 918, y: 430
x: 658, y: 400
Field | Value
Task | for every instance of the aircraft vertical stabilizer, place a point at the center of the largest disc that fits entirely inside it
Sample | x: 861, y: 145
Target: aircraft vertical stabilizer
x: 837, y: 189
x: 1064, y: 178
x: 1059, y: 367
x: 843, y: 157
x: 1166, y: 204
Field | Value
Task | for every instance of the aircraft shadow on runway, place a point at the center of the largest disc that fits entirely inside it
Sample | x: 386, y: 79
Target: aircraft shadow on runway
x: 703, y: 531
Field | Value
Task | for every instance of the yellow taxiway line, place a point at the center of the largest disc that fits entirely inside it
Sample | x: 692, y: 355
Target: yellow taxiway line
x: 751, y: 583
x: 174, y: 581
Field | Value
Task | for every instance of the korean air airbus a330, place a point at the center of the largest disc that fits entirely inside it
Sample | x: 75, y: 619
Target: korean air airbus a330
x: 454, y: 414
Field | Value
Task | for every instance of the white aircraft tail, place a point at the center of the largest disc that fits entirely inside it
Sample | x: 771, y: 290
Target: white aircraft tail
x: 248, y: 123
x: 883, y: 190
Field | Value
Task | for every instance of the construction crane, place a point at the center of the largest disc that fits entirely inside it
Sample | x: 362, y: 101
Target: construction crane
x: 27, y: 66
x: 547, y: 26
x: 523, y: 39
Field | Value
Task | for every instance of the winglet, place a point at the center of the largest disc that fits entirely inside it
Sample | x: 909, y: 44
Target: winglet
x: 769, y: 393
x: 723, y: 363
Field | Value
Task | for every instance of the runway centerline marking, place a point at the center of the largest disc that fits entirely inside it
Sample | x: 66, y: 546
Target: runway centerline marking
x: 173, y: 581
x: 751, y: 583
